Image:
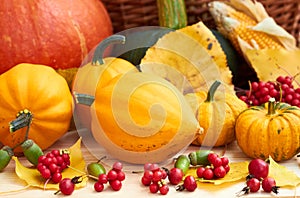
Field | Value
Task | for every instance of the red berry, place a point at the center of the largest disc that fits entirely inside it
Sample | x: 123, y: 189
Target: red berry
x: 164, y: 173
x: 56, y: 177
x: 208, y: 174
x: 102, y: 178
x: 121, y: 176
x: 217, y: 162
x: 98, y: 187
x: 41, y: 159
x: 116, y: 185
x: 253, y: 184
x: 190, y: 183
x: 157, y: 176
x: 220, y: 172
x: 154, y: 187
x: 117, y: 166
x: 258, y: 168
x: 227, y: 168
x: 148, y: 174
x: 55, y: 152
x: 164, y: 189
x: 47, y: 161
x: 175, y: 176
x: 200, y: 171
x: 154, y: 167
x: 53, y: 167
x: 147, y: 166
x: 59, y: 160
x: 66, y: 186
x: 269, y: 185
x: 112, y: 175
x: 146, y: 181
x: 211, y: 157
x: 46, y: 173
x: 225, y: 161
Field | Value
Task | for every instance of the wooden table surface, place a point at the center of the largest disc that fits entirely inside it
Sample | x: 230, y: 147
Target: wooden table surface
x: 132, y: 186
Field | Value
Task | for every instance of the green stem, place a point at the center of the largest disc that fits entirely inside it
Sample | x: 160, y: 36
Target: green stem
x: 84, y: 99
x: 271, y: 106
x: 212, y: 91
x: 24, y: 119
x: 98, y: 54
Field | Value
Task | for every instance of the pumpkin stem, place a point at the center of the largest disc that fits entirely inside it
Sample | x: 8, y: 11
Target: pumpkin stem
x: 212, y: 91
x: 271, y: 106
x: 98, y: 54
x: 23, y: 119
x: 84, y: 99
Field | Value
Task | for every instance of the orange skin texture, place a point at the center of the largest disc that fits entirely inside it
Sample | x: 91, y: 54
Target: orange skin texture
x: 54, y: 33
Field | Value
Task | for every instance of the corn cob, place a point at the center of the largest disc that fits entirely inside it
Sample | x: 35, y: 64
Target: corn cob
x: 237, y: 25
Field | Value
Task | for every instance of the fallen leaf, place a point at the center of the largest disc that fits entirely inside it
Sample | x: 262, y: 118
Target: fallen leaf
x: 238, y: 171
x: 33, y: 178
x: 282, y: 175
x: 270, y: 63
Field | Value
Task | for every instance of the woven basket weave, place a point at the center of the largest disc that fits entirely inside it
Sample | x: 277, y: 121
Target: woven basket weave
x: 127, y: 14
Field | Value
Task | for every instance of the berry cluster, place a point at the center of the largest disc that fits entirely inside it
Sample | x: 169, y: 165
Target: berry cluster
x: 155, y: 177
x: 218, y: 169
x: 114, y: 177
x: 282, y: 90
x: 258, y: 177
x: 52, y: 164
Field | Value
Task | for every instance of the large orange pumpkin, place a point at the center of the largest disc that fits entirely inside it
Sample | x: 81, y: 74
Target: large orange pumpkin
x: 53, y: 32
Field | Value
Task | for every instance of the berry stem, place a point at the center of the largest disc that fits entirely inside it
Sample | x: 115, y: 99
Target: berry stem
x: 83, y: 173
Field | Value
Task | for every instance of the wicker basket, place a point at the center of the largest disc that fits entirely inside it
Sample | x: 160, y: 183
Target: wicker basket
x: 127, y: 14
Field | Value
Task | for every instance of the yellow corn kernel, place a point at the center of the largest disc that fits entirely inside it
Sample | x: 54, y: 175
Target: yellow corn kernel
x: 235, y: 24
x: 242, y: 29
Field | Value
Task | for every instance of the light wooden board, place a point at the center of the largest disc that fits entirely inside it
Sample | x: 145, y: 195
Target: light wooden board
x: 132, y: 186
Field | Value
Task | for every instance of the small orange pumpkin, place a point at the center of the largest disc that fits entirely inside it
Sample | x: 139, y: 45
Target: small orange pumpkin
x: 269, y: 130
x: 41, y: 97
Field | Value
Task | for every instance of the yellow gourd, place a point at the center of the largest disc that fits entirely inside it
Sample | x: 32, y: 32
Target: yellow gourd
x: 97, y: 72
x: 216, y: 112
x: 140, y: 118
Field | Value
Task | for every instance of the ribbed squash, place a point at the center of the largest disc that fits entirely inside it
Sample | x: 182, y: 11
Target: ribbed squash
x: 33, y: 96
x: 269, y: 130
x: 216, y: 112
x: 140, y: 118
x: 172, y: 13
x: 98, y: 72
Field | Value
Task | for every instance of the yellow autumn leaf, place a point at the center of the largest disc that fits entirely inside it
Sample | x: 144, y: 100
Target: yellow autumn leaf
x: 238, y: 171
x: 33, y: 178
x: 270, y: 63
x: 282, y: 175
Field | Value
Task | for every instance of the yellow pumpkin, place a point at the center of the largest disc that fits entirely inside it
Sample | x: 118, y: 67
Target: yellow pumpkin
x: 140, y: 118
x: 269, y: 130
x: 216, y: 112
x: 38, y: 97
x: 97, y: 72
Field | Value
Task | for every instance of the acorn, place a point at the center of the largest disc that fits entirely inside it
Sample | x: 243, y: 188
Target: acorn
x: 31, y: 151
x: 5, y: 156
x: 95, y: 169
